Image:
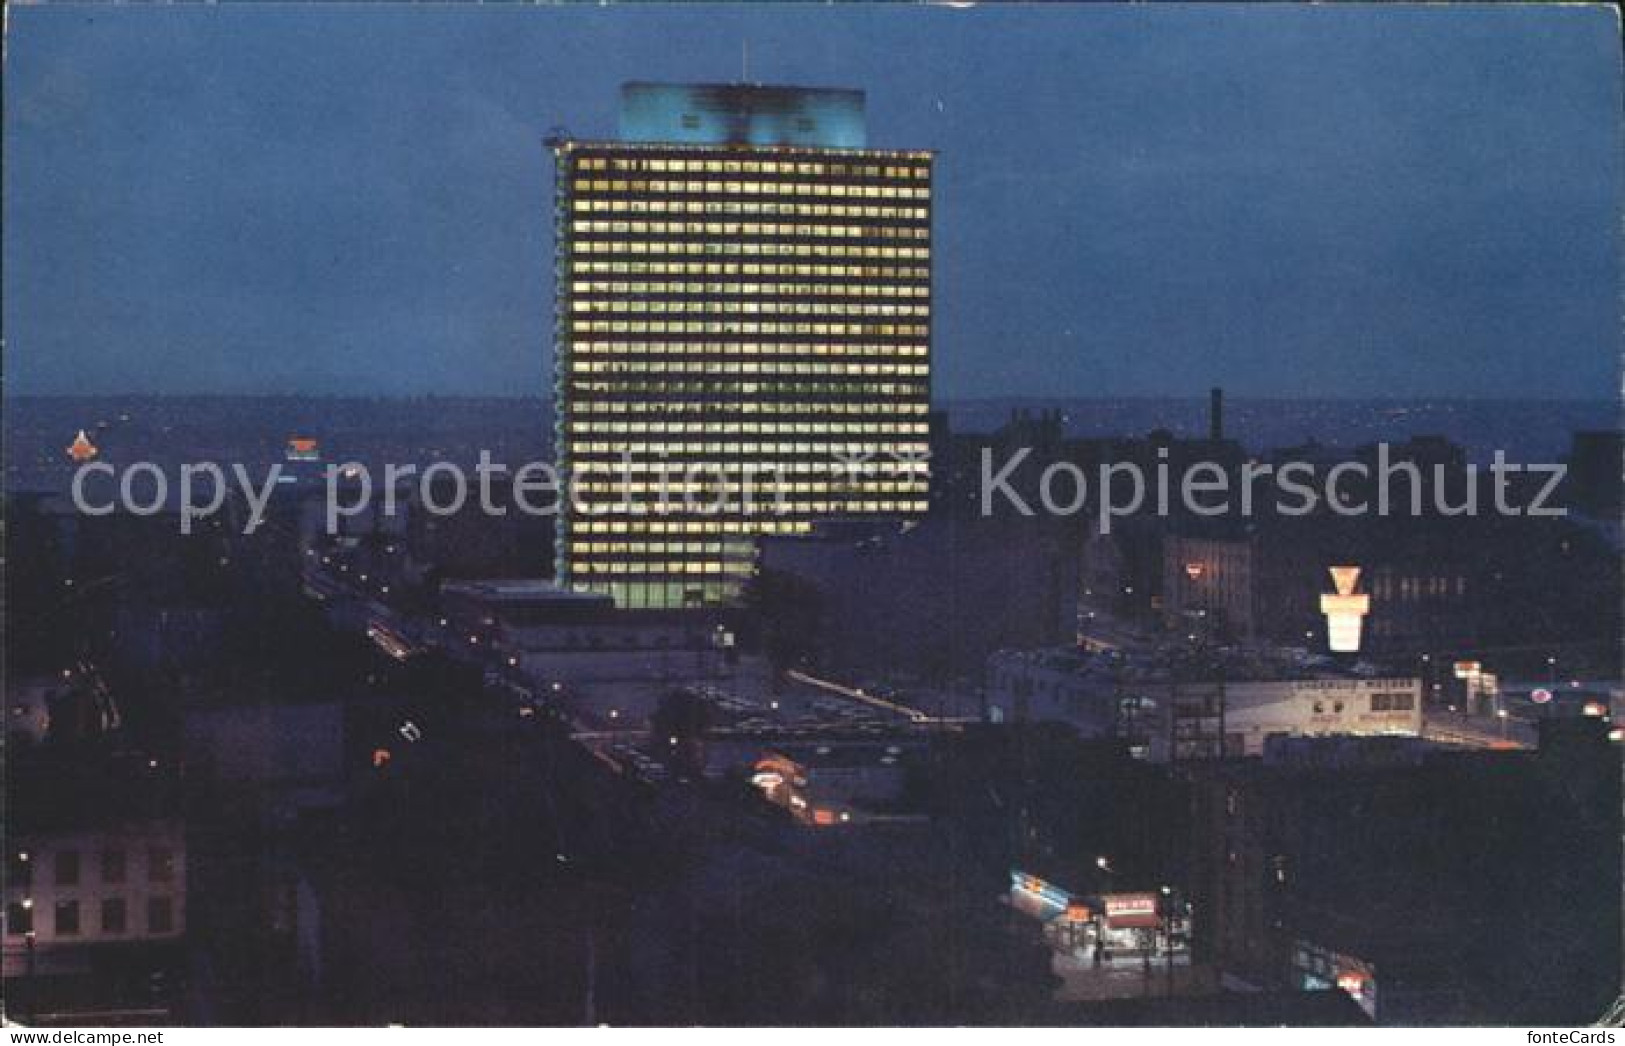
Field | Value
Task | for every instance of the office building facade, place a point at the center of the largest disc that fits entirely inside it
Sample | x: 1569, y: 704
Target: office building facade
x: 742, y: 336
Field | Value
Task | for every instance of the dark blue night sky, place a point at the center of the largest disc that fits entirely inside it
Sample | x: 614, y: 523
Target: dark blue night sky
x: 1315, y: 201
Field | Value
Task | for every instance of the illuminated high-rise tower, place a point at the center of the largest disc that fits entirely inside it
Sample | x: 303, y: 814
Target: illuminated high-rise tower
x: 743, y: 334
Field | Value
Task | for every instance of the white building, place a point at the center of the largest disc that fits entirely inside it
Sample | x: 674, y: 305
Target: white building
x: 1169, y: 715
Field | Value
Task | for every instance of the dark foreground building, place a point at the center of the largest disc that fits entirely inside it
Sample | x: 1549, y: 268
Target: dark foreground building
x: 1435, y: 887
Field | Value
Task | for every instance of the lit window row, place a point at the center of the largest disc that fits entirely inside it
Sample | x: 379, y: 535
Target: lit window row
x: 751, y: 470
x: 716, y: 289
x: 718, y: 388
x: 745, y: 419
x: 849, y: 190
x: 819, y: 369
x: 774, y: 229
x: 678, y: 477
x: 747, y: 307
x: 589, y: 347
x: 634, y: 382
x: 651, y: 548
x: 675, y: 595
x: 589, y: 267
x: 748, y: 528
x: 758, y: 493
x: 789, y: 250
x: 838, y: 168
x: 595, y: 205
x: 714, y: 549
x: 688, y: 566
x: 854, y: 330
x: 587, y: 427
x: 717, y: 407
x: 731, y: 505
x: 719, y: 548
x: 875, y: 451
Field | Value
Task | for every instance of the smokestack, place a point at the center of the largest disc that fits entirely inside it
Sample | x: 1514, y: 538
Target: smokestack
x: 1215, y: 415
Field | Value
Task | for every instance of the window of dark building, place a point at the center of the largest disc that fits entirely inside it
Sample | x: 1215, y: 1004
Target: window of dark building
x: 160, y: 864
x: 112, y: 866
x: 19, y: 868
x: 114, y: 915
x: 67, y: 918
x: 19, y: 920
x: 67, y: 868
x: 160, y: 915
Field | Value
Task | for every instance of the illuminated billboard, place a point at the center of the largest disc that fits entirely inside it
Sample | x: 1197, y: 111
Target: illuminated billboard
x: 1345, y: 611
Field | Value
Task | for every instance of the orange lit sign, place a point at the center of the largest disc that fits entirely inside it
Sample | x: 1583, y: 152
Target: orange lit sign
x: 82, y: 449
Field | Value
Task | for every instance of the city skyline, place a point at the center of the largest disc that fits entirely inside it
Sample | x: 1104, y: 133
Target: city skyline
x: 1338, y: 204
x: 646, y: 516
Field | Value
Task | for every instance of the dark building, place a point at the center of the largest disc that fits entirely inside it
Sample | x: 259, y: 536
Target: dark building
x: 1596, y: 473
x: 96, y: 888
x: 1422, y: 476
x: 931, y: 600
x: 1435, y: 886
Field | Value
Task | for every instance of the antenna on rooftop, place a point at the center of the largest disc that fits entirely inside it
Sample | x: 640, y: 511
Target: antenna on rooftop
x: 744, y: 61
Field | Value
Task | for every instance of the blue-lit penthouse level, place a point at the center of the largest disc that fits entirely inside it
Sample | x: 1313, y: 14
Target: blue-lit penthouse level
x: 742, y: 114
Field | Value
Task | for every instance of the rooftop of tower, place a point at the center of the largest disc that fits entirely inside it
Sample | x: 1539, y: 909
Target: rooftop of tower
x: 743, y: 114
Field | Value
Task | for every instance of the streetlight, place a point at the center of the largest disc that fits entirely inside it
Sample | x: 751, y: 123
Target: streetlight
x: 1168, y: 932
